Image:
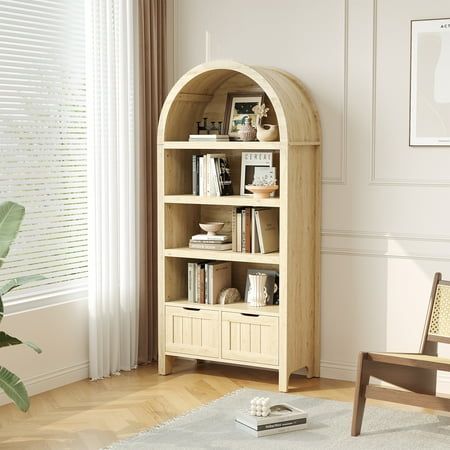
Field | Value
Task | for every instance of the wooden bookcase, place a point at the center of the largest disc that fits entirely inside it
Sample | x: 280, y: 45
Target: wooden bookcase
x: 284, y: 337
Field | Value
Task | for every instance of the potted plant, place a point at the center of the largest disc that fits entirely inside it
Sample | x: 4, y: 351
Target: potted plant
x: 11, y: 215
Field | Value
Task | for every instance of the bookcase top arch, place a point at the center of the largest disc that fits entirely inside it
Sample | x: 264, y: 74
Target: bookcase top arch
x: 294, y: 108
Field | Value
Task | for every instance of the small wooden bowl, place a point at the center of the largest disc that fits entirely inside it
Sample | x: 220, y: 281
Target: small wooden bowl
x: 211, y: 227
x: 261, y: 191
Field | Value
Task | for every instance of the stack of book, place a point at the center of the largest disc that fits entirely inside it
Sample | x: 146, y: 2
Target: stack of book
x: 255, y: 230
x: 211, y: 175
x: 208, y: 137
x: 207, y: 242
x: 282, y: 419
x: 206, y: 280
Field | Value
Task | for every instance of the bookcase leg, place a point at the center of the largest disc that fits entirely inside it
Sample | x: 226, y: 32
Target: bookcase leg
x: 165, y: 365
x: 283, y: 381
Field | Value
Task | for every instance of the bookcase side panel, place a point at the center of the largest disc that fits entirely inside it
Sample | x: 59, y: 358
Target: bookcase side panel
x: 301, y: 257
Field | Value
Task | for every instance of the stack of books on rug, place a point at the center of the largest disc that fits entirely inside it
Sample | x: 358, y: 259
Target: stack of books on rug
x: 255, y: 230
x: 282, y: 419
x: 206, y: 280
x: 211, y: 175
x: 210, y: 242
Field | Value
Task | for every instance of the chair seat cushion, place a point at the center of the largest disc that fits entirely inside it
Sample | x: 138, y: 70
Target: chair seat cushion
x: 412, y: 359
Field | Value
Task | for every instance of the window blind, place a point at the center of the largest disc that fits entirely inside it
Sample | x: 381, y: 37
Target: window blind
x: 43, y: 137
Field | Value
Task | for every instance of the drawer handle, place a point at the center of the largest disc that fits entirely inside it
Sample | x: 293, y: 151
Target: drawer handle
x: 191, y: 309
x: 250, y: 315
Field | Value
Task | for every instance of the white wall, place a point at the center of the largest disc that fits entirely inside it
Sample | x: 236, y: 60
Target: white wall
x: 386, y: 224
x: 62, y: 333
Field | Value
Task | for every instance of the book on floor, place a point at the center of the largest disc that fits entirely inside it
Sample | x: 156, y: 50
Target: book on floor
x: 282, y: 419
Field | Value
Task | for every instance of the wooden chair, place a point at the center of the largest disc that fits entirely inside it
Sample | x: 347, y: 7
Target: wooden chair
x: 415, y: 373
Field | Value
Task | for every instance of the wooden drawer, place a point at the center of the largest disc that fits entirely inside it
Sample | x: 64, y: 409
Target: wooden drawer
x: 192, y: 331
x: 250, y: 338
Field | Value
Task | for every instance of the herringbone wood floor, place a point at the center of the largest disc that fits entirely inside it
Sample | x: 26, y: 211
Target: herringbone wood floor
x: 90, y: 415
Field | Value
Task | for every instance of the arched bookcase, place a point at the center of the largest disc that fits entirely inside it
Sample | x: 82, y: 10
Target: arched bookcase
x: 285, y: 336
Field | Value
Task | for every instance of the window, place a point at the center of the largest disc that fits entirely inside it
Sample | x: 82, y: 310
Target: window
x: 43, y: 138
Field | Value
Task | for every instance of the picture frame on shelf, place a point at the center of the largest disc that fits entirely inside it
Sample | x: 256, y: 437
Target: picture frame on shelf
x: 249, y: 162
x: 239, y: 106
x: 429, y: 115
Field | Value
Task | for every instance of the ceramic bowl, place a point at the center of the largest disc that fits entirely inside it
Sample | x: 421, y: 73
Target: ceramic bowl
x: 211, y: 228
x: 261, y: 191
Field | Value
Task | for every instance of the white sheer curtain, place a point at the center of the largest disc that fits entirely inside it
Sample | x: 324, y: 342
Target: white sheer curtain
x: 111, y: 118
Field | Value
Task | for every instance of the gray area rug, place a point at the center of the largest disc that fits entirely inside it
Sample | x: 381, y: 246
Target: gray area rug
x: 212, y: 427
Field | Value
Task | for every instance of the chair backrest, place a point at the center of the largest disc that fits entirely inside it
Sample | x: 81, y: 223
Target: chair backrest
x: 437, y: 325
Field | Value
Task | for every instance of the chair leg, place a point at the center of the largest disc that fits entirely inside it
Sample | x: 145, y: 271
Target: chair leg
x: 362, y: 379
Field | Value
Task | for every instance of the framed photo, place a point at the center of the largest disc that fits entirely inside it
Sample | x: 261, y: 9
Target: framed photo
x: 250, y: 161
x: 429, y: 121
x: 239, y: 106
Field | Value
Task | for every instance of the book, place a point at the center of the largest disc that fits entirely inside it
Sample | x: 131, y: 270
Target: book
x: 201, y: 276
x: 195, y: 174
x: 219, y: 278
x: 201, y: 190
x: 282, y: 418
x: 233, y: 229
x: 248, y: 230
x: 208, y: 137
x: 224, y: 176
x: 211, y: 238
x: 191, y: 282
x: 210, y: 245
x: 267, y: 228
x: 255, y: 241
x: 239, y: 230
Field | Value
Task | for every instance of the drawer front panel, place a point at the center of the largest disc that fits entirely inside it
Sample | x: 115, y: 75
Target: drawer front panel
x: 191, y: 331
x: 250, y: 338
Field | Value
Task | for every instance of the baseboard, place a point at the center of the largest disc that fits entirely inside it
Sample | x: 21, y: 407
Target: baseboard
x: 52, y: 380
x: 338, y: 370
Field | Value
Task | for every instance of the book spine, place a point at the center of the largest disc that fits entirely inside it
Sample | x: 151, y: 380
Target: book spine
x: 194, y: 175
x: 190, y: 282
x: 243, y: 236
x: 200, y: 175
x: 239, y: 231
x: 207, y: 283
x: 258, y: 229
x: 202, y: 283
x: 207, y: 172
x: 197, y: 283
x: 248, y: 230
x: 210, y: 276
x: 209, y: 246
x: 233, y: 230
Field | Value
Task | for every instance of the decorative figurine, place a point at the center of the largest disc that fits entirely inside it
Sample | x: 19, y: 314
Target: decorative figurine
x: 260, y: 406
x: 247, y: 132
x: 266, y: 132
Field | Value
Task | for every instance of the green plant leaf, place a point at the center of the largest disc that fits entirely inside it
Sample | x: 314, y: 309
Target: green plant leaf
x: 7, y: 340
x: 19, y: 281
x: 11, y: 215
x: 14, y: 389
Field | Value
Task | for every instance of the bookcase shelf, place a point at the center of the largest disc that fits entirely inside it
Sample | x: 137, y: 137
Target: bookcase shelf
x: 241, y: 307
x: 225, y: 255
x: 285, y: 337
x: 231, y: 145
x: 228, y: 200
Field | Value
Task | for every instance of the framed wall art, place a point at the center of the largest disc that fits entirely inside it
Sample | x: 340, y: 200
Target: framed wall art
x: 430, y: 83
x: 239, y: 106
